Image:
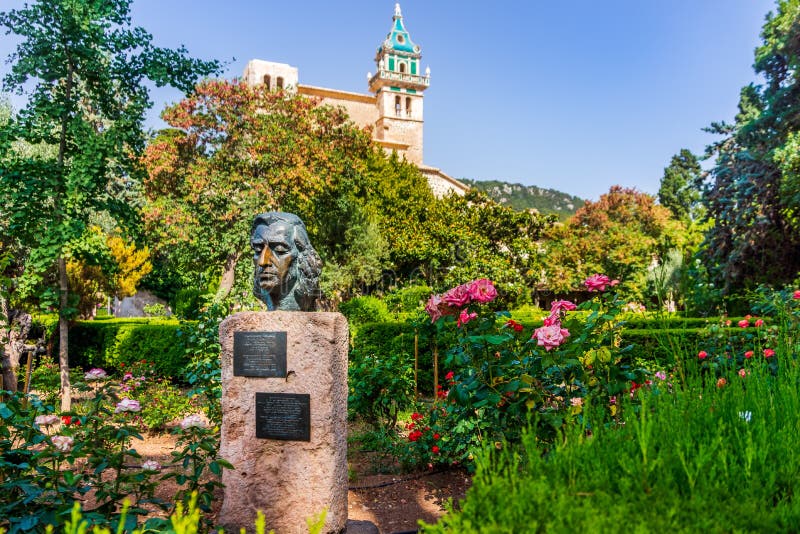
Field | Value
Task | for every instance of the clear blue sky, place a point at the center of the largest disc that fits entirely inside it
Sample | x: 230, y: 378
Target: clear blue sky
x: 575, y: 96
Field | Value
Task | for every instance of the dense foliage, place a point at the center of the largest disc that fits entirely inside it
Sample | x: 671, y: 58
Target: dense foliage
x: 695, y: 450
x: 678, y: 191
x: 753, y: 195
x: 94, y: 443
x: 622, y: 234
x: 87, y: 97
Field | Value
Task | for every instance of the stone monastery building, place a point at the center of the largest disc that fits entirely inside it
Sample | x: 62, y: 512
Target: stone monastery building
x: 393, y: 108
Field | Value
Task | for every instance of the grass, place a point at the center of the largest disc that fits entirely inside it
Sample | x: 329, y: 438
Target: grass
x: 693, y: 458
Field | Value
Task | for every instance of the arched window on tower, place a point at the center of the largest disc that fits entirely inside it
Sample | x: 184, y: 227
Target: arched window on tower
x: 397, y: 106
x: 402, y: 68
x: 280, y: 82
x: 408, y: 106
x: 266, y: 82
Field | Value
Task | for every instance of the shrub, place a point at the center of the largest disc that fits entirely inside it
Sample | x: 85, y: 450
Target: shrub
x: 162, y: 403
x: 46, y: 380
x: 188, y: 303
x: 498, y: 375
x: 395, y: 339
x: 362, y: 310
x: 116, y: 342
x: 201, y: 339
x: 156, y: 310
x: 48, y: 462
x: 380, y: 387
x: 408, y: 299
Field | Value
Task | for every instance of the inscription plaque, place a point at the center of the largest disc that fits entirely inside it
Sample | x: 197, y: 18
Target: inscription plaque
x: 260, y: 354
x: 284, y: 416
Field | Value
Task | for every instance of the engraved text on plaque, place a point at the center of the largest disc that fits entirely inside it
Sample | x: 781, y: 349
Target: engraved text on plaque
x: 260, y: 354
x: 284, y: 416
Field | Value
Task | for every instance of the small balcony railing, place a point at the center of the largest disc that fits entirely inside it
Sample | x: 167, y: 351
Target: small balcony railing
x: 416, y: 79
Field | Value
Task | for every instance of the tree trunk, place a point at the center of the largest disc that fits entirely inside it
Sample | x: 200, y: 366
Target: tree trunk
x: 63, y: 332
x: 228, y: 277
x: 63, y: 326
x: 14, y: 329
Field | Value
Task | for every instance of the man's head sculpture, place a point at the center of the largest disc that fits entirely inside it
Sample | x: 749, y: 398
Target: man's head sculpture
x: 287, y: 267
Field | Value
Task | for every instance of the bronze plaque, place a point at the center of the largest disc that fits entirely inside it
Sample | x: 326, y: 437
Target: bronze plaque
x: 284, y: 416
x: 261, y: 354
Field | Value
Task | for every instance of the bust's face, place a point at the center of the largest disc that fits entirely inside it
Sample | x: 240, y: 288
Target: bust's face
x: 274, y: 253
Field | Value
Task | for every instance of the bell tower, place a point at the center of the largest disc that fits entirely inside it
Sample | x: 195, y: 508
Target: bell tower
x: 398, y: 86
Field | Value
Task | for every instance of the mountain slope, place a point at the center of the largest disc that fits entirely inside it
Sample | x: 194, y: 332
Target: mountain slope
x: 522, y: 197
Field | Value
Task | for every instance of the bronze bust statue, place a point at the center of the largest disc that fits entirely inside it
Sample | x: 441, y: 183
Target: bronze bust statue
x: 287, y: 267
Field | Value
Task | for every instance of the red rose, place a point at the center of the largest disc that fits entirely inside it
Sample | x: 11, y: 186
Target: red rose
x: 435, y: 449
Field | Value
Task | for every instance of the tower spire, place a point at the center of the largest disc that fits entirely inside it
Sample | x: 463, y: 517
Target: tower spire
x: 397, y: 13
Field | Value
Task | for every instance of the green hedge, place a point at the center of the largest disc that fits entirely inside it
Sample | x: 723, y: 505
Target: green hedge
x: 111, y: 342
x: 663, y: 345
x: 362, y: 310
x: 659, y: 345
x: 396, y: 338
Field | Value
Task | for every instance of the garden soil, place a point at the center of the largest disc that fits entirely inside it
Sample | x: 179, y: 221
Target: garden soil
x: 393, y: 502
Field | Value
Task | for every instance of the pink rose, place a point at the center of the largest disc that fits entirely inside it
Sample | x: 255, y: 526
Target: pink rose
x: 551, y: 320
x: 193, y: 421
x: 550, y: 337
x: 598, y: 282
x: 759, y: 323
x: 796, y: 295
x: 465, y: 316
x: 95, y: 374
x: 561, y: 305
x: 432, y: 307
x: 46, y: 420
x: 62, y: 443
x: 151, y: 465
x: 128, y: 405
x: 458, y: 296
x: 702, y: 355
x: 744, y: 323
x: 482, y: 290
x: 768, y: 353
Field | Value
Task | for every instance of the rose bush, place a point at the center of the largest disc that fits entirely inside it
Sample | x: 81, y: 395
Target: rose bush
x: 500, y: 376
x: 47, y: 460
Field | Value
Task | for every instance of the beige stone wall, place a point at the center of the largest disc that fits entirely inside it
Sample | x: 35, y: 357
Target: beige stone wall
x: 403, y: 131
x: 441, y: 184
x: 360, y: 108
x: 256, y: 70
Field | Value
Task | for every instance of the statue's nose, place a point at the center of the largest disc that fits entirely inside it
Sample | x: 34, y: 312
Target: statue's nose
x: 265, y: 257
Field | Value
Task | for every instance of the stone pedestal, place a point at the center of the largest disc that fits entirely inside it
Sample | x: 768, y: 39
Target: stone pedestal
x: 289, y: 481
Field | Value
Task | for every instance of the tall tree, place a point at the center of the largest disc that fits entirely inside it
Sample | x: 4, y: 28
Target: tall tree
x: 678, y: 191
x: 621, y: 235
x: 87, y: 67
x: 235, y: 150
x: 752, y: 196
